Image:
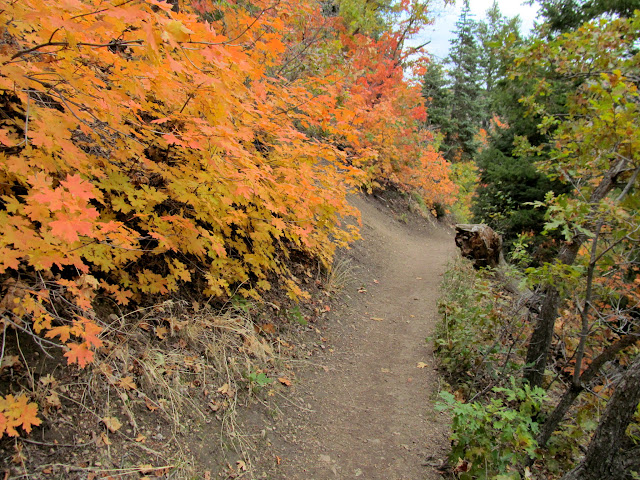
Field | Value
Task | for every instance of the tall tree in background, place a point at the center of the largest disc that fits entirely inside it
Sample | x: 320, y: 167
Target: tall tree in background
x: 508, y: 183
x: 496, y: 37
x: 438, y: 98
x: 466, y: 108
x: 565, y: 15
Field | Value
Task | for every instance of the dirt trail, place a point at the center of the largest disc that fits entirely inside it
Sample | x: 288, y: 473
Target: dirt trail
x: 367, y: 410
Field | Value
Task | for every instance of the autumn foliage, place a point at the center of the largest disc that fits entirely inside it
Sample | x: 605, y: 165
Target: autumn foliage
x: 145, y: 149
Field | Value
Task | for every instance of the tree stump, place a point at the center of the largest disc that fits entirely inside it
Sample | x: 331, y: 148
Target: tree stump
x: 478, y: 242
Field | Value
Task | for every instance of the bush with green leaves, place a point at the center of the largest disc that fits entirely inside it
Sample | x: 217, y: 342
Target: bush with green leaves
x: 475, y: 340
x: 493, y: 440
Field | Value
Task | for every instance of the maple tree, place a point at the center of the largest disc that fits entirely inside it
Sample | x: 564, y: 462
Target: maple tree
x: 145, y: 148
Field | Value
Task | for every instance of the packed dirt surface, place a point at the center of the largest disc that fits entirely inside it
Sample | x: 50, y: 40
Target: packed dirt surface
x: 364, y: 407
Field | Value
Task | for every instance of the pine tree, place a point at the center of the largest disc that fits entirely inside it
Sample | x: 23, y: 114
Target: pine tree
x: 497, y: 36
x: 436, y: 91
x: 566, y: 15
x: 466, y: 108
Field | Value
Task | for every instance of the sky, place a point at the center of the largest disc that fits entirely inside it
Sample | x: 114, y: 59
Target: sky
x: 440, y: 32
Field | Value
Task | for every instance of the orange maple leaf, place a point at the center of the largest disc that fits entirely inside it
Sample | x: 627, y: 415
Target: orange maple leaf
x: 69, y: 228
x: 79, y: 353
x: 64, y: 331
x: 28, y: 412
x: 17, y: 412
x: 91, y: 332
x: 78, y: 187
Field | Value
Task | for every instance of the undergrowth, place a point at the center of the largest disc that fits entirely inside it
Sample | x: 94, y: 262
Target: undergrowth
x: 496, y: 417
x: 478, y: 343
x: 481, y: 330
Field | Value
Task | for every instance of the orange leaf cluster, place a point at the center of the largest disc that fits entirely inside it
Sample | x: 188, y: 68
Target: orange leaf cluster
x: 17, y: 412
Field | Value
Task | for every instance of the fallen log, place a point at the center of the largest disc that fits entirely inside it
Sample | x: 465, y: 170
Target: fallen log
x: 478, y: 242
x: 481, y: 244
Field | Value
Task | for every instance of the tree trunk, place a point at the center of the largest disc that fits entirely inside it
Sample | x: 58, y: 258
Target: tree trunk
x: 574, y: 390
x: 540, y: 342
x: 604, y: 459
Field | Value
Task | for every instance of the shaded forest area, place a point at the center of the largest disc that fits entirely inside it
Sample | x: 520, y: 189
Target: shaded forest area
x: 542, y: 353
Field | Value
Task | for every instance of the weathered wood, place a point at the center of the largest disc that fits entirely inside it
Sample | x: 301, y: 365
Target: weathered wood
x: 478, y: 242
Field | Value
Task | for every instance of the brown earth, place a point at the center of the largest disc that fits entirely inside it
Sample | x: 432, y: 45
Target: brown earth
x: 364, y: 407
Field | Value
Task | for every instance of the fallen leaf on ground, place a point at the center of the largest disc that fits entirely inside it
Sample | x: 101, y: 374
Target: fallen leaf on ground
x: 161, y: 332
x: 127, y: 383
x: 226, y: 390
x: 150, y: 405
x: 285, y: 381
x: 112, y: 423
x: 105, y: 439
x: 422, y: 365
x: 269, y: 328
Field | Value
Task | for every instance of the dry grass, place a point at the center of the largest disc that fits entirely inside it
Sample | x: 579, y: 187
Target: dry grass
x: 165, y: 372
x: 339, y: 275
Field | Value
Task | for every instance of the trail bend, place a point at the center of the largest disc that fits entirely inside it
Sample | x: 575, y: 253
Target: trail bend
x: 367, y: 411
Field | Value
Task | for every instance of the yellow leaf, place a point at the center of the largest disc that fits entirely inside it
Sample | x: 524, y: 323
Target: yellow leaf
x: 112, y: 423
x: 178, y: 31
x: 105, y: 439
x: 127, y: 383
x: 161, y: 332
x: 422, y: 365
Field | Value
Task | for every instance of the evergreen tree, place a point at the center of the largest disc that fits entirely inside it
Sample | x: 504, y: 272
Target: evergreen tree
x: 497, y: 36
x: 466, y: 95
x: 566, y: 15
x: 437, y: 94
x: 509, y: 183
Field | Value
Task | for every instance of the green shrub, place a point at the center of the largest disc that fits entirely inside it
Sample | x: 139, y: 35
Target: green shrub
x: 474, y: 337
x: 491, y: 440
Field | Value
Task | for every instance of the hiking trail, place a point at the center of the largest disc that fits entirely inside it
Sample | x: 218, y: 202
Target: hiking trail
x: 364, y: 407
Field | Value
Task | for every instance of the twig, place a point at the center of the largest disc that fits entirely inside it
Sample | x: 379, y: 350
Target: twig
x: 37, y: 339
x: 100, y: 11
x: 26, y: 365
x: 46, y: 444
x: 293, y: 403
x: 4, y: 337
x: 227, y: 42
x: 26, y: 51
x: 26, y: 122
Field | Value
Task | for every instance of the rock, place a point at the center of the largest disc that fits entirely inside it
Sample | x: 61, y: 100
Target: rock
x: 478, y: 242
